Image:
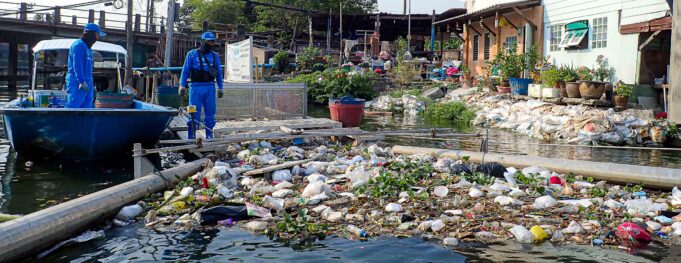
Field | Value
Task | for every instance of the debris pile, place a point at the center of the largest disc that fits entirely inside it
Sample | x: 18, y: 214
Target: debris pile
x: 568, y: 124
x: 363, y: 192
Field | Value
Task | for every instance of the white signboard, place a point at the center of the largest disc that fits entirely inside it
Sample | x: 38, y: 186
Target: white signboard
x: 239, y: 62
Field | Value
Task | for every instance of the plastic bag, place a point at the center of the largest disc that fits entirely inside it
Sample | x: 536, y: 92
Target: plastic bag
x: 675, y: 198
x: 282, y: 193
x: 573, y: 228
x: 129, y: 212
x: 225, y: 192
x: 209, y: 216
x: 440, y: 191
x: 274, y: 203
x: 315, y: 188
x: 643, y: 206
x: 493, y: 169
x: 522, y: 234
x: 475, y: 192
x: 539, y: 233
x: 244, y: 155
x: 358, y: 177
x: 437, y: 225
x: 633, y: 232
x: 459, y: 169
x: 504, y: 200
x: 544, y: 202
x: 393, y: 207
x: 316, y: 177
x: 282, y: 175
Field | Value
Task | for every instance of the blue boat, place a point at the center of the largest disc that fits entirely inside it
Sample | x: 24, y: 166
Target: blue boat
x: 36, y: 127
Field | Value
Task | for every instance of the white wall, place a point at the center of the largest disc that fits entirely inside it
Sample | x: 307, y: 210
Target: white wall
x: 621, y: 50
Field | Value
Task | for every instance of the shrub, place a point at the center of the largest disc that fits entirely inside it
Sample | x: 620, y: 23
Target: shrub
x: 334, y: 83
x: 307, y: 59
x: 568, y: 74
x: 453, y: 111
x: 550, y: 77
x: 585, y: 74
x: 282, y: 61
x: 624, y: 90
x: 604, y: 71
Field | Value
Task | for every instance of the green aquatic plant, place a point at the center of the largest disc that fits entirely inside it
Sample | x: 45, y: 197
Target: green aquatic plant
x: 456, y: 111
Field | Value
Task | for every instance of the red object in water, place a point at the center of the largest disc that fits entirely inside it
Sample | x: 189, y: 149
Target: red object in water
x: 349, y: 114
x: 205, y: 182
x: 377, y: 70
x: 556, y: 180
x: 633, y: 232
x: 661, y: 115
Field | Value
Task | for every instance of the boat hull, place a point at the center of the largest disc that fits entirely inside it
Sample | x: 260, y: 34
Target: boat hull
x: 84, y: 134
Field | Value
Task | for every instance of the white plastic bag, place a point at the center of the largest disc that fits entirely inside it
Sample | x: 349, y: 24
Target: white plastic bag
x: 440, y: 191
x: 316, y: 177
x: 129, y: 212
x: 358, y: 177
x: 573, y: 228
x: 522, y: 234
x: 504, y: 200
x: 544, y: 202
x: 315, y: 188
x: 274, y: 203
x: 393, y: 207
x: 675, y: 198
x: 475, y: 192
x: 282, y: 175
x: 225, y: 192
x: 437, y: 225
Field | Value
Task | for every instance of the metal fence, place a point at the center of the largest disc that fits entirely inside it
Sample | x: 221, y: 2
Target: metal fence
x: 263, y: 100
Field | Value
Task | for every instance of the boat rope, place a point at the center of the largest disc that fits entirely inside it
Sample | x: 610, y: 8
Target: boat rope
x: 159, y: 174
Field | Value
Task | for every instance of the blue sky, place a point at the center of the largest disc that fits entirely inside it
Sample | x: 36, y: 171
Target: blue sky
x: 418, y: 6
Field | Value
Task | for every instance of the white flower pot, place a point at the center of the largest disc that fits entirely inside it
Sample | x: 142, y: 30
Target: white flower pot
x: 534, y: 90
x: 550, y: 93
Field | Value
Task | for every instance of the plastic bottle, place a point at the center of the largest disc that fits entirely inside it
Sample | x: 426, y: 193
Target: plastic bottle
x: 357, y: 231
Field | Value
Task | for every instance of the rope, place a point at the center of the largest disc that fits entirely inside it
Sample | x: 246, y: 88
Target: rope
x: 159, y: 174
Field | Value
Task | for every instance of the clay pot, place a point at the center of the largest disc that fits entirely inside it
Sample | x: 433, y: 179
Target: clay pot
x: 608, y: 91
x: 501, y: 89
x: 561, y: 89
x: 572, y: 90
x: 504, y: 83
x: 591, y: 89
x: 621, y: 101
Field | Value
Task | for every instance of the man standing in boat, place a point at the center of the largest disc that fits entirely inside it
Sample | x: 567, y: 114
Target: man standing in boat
x: 202, y: 67
x: 79, y: 84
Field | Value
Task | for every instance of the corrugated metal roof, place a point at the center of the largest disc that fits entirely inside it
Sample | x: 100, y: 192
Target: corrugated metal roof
x: 493, y: 9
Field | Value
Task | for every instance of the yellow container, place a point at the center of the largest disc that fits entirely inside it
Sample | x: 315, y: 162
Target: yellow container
x: 539, y: 234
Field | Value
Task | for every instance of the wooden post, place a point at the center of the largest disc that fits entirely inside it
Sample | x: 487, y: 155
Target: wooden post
x: 128, y: 44
x: 674, y: 113
x: 204, y: 26
x: 102, y: 19
x: 74, y: 20
x: 137, y: 160
x: 91, y: 16
x: 57, y: 15
x: 23, y: 11
x: 138, y: 18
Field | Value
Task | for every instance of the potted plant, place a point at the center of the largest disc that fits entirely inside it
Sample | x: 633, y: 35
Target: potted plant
x: 550, y: 85
x: 568, y: 76
x: 466, y: 76
x: 583, y: 74
x: 511, y: 66
x: 604, y: 73
x: 622, y: 94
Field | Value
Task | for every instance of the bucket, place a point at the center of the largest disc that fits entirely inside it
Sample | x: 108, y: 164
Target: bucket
x: 167, y: 96
x: 114, y: 100
x: 519, y: 86
x: 347, y: 110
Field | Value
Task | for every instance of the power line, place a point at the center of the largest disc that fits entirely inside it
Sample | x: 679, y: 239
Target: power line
x: 95, y: 2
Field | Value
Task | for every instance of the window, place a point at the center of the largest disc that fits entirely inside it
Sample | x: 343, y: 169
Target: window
x: 599, y: 33
x: 486, y: 47
x: 476, y: 42
x: 574, y: 35
x: 556, y: 34
x: 511, y: 44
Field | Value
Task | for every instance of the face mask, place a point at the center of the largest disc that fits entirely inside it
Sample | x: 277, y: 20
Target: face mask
x: 206, y: 47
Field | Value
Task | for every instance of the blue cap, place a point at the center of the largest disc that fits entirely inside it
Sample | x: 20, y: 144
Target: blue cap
x: 208, y: 36
x: 95, y: 28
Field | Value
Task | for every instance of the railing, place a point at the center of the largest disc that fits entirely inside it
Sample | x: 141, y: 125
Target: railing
x: 57, y: 15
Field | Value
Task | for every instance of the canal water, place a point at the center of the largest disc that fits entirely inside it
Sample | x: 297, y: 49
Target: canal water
x: 30, y: 185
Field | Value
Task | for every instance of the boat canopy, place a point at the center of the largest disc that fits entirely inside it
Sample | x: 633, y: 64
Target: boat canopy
x: 61, y: 44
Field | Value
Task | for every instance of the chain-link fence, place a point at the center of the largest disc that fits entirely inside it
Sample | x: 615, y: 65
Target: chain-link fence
x: 263, y: 100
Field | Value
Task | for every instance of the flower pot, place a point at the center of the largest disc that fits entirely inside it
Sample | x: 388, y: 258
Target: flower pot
x: 504, y: 83
x: 550, y: 93
x: 591, y: 89
x: 621, y: 101
x: 534, y: 91
x: 519, y: 86
x: 501, y: 89
x: 561, y: 89
x: 608, y: 91
x: 572, y: 90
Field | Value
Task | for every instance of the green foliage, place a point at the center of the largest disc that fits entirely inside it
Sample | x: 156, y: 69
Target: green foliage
x: 509, y: 64
x: 395, y: 178
x: 465, y: 69
x: 452, y: 43
x: 672, y: 130
x: 568, y: 74
x: 598, y: 192
x: 603, y: 72
x: 299, y: 227
x: 214, y: 11
x: 400, y: 49
x: 403, y: 74
x: 633, y: 188
x: 585, y: 74
x: 478, y: 178
x: 282, y: 61
x: 334, y: 83
x: 624, y: 90
x: 399, y: 93
x: 452, y: 111
x: 307, y: 58
x: 550, y: 77
x: 532, y: 181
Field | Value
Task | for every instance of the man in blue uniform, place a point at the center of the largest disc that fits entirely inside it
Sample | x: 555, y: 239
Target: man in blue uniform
x: 202, y: 67
x: 79, y: 85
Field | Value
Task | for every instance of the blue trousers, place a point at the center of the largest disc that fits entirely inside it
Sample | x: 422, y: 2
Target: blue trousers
x: 202, y: 95
x: 78, y: 98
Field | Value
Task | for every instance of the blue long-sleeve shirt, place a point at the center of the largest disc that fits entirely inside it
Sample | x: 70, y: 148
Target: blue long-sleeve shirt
x: 80, y: 63
x: 192, y: 61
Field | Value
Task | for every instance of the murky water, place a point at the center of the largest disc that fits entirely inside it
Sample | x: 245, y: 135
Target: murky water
x: 45, y: 183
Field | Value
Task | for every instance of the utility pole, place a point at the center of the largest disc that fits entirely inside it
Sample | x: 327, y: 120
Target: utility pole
x: 340, y: 57
x: 409, y: 28
x: 309, y: 22
x: 170, y: 28
x: 128, y: 42
x: 152, y: 23
x: 328, y: 34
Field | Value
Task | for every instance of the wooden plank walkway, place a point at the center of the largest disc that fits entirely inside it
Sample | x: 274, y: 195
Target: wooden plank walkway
x: 228, y: 127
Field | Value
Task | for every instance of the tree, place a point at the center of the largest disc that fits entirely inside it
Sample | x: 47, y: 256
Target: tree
x: 194, y: 12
